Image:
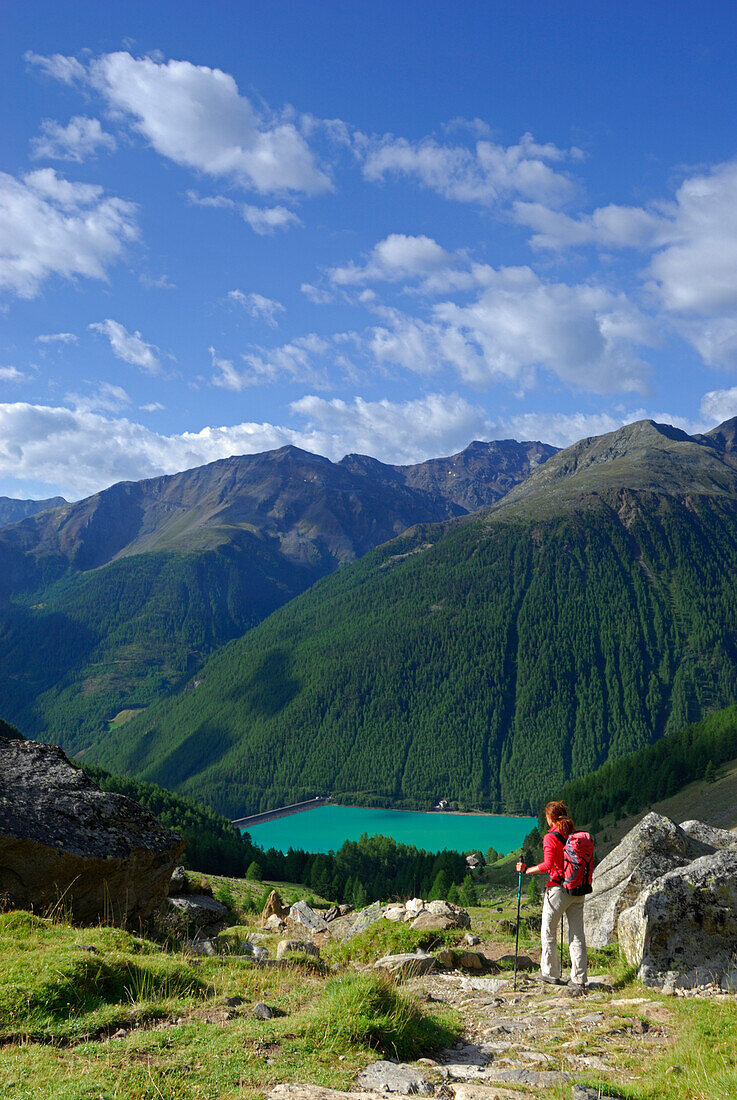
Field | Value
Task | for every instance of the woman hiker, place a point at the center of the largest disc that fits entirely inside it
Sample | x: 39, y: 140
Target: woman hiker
x: 558, y: 901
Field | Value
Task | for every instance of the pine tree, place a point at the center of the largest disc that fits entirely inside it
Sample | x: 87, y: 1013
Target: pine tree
x: 440, y: 887
x: 254, y: 872
x: 468, y: 891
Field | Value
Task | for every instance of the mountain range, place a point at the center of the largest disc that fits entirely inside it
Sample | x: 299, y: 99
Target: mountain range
x: 488, y: 658
x: 112, y: 602
x: 11, y: 510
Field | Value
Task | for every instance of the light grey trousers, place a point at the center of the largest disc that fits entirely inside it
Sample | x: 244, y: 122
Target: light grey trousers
x: 558, y: 902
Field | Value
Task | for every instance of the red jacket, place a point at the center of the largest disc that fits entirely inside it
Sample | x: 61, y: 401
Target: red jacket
x: 552, y: 861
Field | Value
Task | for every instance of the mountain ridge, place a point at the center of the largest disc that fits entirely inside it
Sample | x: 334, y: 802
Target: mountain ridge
x: 568, y: 627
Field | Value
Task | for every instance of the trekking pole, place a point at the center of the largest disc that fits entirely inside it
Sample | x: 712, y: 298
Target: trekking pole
x: 516, y: 942
x: 562, y: 921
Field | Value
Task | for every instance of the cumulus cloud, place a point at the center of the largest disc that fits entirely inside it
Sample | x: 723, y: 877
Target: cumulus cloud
x: 406, y: 431
x: 316, y: 294
x: 584, y: 334
x: 12, y: 374
x: 196, y: 117
x: 57, y: 338
x: 395, y: 258
x: 50, y: 226
x: 719, y: 405
x: 692, y: 241
x: 257, y: 306
x: 129, y: 346
x: 66, y: 69
x: 106, y: 397
x: 485, y: 173
x: 82, y: 138
x: 294, y: 361
x: 267, y: 219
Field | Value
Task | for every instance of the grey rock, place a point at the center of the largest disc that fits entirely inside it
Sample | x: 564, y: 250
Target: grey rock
x: 538, y: 1078
x: 198, y: 912
x: 259, y: 953
x: 432, y: 922
x: 682, y: 929
x: 178, y: 881
x: 655, y: 846
x: 262, y: 1011
x: 471, y: 940
x: 484, y: 985
x: 304, y: 914
x: 406, y: 965
x: 203, y: 947
x: 394, y: 1077
x: 351, y: 924
x: 713, y: 840
x: 302, y: 946
x: 102, y: 855
x: 275, y: 924
x: 524, y: 962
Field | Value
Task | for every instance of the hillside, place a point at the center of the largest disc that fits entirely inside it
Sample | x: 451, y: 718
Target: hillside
x: 487, y: 660
x: 109, y: 603
x: 12, y: 511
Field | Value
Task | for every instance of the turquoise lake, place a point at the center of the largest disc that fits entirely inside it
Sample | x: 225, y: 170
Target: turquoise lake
x: 325, y: 828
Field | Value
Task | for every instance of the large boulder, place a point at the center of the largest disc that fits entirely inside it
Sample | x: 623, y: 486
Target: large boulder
x: 304, y: 914
x: 655, y: 846
x: 682, y: 929
x: 439, y: 916
x: 711, y: 838
x: 66, y: 844
x: 406, y: 965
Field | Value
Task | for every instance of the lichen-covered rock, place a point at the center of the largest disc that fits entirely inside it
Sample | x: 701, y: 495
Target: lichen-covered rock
x: 713, y: 840
x: 394, y: 1077
x: 197, y: 913
x: 64, y: 842
x: 682, y: 929
x: 304, y: 914
x: 655, y: 846
x: 406, y: 965
x: 178, y: 881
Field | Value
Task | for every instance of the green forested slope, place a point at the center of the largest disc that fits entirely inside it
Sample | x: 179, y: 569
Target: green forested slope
x: 487, y: 661
x: 79, y: 651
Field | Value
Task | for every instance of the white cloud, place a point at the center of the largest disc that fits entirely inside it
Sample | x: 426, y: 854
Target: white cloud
x: 57, y: 338
x: 66, y: 69
x: 608, y: 227
x: 161, y: 283
x: 266, y: 220
x: 49, y: 226
x: 104, y: 398
x: 153, y: 406
x: 485, y: 173
x: 586, y: 335
x: 129, y: 346
x: 196, y: 117
x: 397, y: 257
x: 693, y: 245
x: 257, y: 306
x: 408, y: 431
x: 82, y: 138
x: 294, y: 361
x: 719, y: 405
x: 12, y: 374
x: 316, y: 294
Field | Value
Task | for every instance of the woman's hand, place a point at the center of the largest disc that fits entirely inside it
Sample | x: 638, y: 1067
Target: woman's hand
x: 521, y: 867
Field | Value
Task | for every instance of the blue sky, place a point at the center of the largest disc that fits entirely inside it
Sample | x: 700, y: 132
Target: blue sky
x: 384, y: 228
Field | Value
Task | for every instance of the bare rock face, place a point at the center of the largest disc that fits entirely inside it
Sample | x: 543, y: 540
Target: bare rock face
x: 682, y: 929
x: 64, y: 842
x: 713, y: 840
x: 655, y: 846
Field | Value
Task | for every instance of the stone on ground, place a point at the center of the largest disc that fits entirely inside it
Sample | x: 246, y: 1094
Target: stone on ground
x: 99, y: 855
x: 394, y: 1077
x: 304, y: 914
x: 406, y: 965
x: 317, y: 1092
x: 198, y: 913
x: 274, y: 907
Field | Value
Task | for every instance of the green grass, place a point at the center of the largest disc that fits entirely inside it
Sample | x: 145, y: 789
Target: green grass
x: 370, y: 1011
x: 388, y: 938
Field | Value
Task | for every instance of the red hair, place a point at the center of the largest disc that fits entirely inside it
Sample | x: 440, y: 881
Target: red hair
x: 557, y: 812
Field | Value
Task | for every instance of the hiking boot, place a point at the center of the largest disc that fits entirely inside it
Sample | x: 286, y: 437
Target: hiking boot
x: 548, y: 979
